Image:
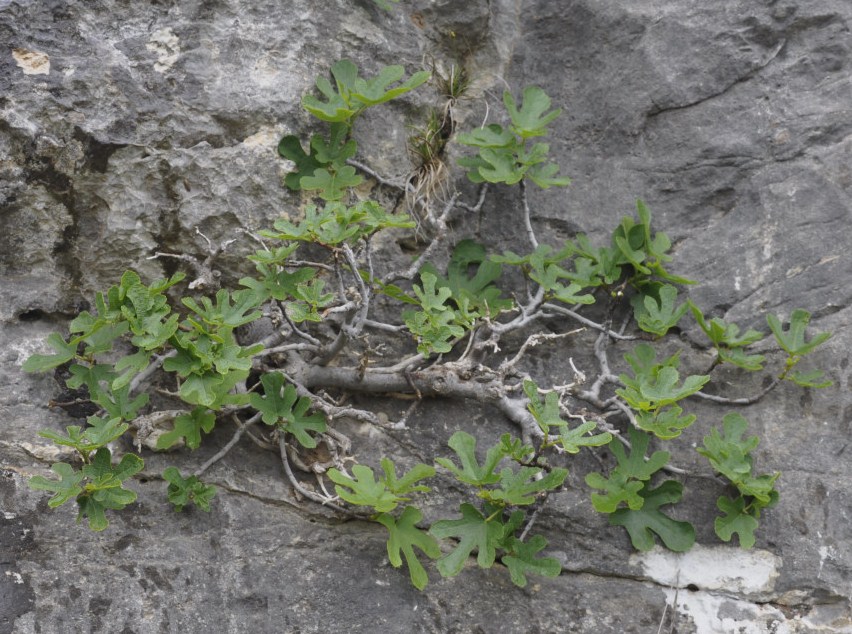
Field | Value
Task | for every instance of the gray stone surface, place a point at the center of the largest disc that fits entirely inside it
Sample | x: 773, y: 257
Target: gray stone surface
x: 125, y: 126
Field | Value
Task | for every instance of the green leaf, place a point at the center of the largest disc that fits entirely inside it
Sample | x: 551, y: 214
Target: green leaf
x: 735, y: 520
x: 363, y: 489
x: 473, y: 532
x: 387, y: 6
x: 723, y: 334
x: 222, y: 313
x: 545, y: 176
x: 655, y: 385
x: 626, y: 480
x: 523, y: 560
x: 333, y: 109
x: 491, y: 136
x: 407, y: 483
x: 618, y: 489
x: 404, y: 537
x: 286, y: 409
x: 483, y: 296
x: 641, y: 524
x: 738, y: 357
x: 64, y: 489
x: 43, y: 362
x: 813, y: 379
x: 471, y: 471
x: 202, y: 389
x: 547, y: 416
x: 354, y: 94
x: 101, y: 432
x: 520, y: 488
x: 530, y: 119
x: 337, y: 149
x: 664, y: 423
x: 572, y: 439
x: 290, y: 147
x: 657, y: 313
x: 105, y: 490
x: 332, y: 185
x: 182, y: 490
x: 793, y: 339
x: 189, y: 426
x: 729, y: 454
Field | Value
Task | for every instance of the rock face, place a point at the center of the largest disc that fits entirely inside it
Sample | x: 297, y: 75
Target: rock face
x: 126, y: 128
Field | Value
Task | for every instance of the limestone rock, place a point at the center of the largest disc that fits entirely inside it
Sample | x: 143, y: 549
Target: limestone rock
x: 128, y: 128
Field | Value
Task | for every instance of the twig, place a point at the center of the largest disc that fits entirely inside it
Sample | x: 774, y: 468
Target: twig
x: 365, y: 290
x: 750, y: 400
x: 234, y: 440
x: 527, y: 220
x: 327, y: 502
x: 412, y: 270
x: 588, y: 322
x: 152, y: 367
x: 375, y: 175
x: 534, y: 340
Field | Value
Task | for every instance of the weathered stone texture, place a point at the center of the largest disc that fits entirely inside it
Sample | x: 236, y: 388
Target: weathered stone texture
x: 125, y: 126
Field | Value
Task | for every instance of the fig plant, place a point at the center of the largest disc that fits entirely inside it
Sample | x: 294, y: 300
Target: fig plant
x: 271, y: 352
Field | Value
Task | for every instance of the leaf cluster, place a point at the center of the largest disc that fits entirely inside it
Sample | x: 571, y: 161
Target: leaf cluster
x: 323, y: 168
x: 654, y: 389
x: 730, y: 455
x: 97, y: 487
x: 631, y: 502
x: 505, y: 155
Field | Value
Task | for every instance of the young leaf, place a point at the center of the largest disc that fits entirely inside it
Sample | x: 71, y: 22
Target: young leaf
x: 43, y: 362
x: 189, y: 426
x: 484, y: 297
x: 182, y: 490
x: 626, y: 480
x: 520, y: 488
x: 572, y: 439
x: 618, y: 489
x: 530, y: 120
x: 491, y: 136
x: 404, y: 536
x: 406, y: 484
x: 332, y: 185
x: 729, y: 454
x: 474, y: 532
x: 101, y: 432
x: 104, y: 491
x: 523, y: 560
x: 813, y: 379
x: 657, y: 314
x: 721, y: 333
x: 664, y: 423
x: 64, y: 489
x: 735, y: 520
x: 286, y: 409
x: 793, y: 339
x: 655, y: 385
x: 738, y: 357
x: 641, y: 524
x: 364, y: 489
x: 471, y: 471
x: 544, y: 176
